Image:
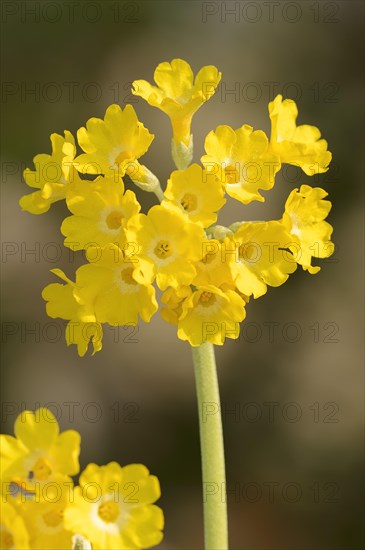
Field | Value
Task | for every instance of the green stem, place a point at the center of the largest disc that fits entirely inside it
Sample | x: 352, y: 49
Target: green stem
x: 159, y: 193
x: 212, y: 449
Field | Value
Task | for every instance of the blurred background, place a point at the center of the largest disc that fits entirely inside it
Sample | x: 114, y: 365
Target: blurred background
x: 292, y: 386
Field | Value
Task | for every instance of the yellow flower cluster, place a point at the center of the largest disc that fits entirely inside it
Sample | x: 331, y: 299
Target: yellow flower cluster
x: 112, y: 507
x: 207, y: 272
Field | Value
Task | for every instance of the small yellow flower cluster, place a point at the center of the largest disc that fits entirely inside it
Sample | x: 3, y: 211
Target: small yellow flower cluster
x: 112, y: 507
x: 207, y: 271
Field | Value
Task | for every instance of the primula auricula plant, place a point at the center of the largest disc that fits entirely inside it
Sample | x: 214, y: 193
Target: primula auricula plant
x: 42, y: 509
x: 207, y: 272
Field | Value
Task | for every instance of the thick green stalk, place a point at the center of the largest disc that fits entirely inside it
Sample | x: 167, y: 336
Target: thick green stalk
x: 212, y: 449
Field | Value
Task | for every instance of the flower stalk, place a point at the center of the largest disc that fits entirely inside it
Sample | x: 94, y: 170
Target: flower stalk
x: 212, y: 448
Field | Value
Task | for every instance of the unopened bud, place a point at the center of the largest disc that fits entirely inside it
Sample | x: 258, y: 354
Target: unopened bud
x: 182, y: 154
x: 145, y: 179
x: 80, y: 543
x: 219, y: 232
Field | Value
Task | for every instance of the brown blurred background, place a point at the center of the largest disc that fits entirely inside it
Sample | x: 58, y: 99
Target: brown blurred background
x: 292, y: 387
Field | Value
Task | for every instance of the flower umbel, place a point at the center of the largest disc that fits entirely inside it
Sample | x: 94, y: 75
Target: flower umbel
x: 177, y: 245
x: 112, y: 507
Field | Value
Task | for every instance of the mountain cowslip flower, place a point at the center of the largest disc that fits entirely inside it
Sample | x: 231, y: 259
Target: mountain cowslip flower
x: 100, y: 211
x: 54, y: 175
x: 197, y: 193
x: 13, y: 533
x: 118, y: 299
x: 83, y: 327
x: 114, y: 507
x: 215, y: 266
x: 305, y: 211
x: 207, y: 314
x: 168, y: 244
x: 263, y: 258
x: 298, y: 145
x: 39, y: 453
x: 173, y: 298
x: 114, y: 144
x: 179, y: 96
x: 44, y: 520
x: 242, y: 161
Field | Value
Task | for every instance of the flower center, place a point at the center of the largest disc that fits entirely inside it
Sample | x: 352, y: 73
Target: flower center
x: 183, y: 99
x: 231, y: 174
x: 123, y: 155
x: 189, y: 202
x: 41, y: 469
x: 163, y: 250
x: 207, y: 299
x: 127, y: 276
x: 114, y: 220
x: 109, y: 511
x: 7, y: 540
x: 53, y: 518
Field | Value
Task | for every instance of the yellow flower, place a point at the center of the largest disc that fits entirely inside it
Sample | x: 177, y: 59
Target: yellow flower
x: 177, y: 94
x: 44, y: 520
x: 13, y: 533
x: 54, y: 175
x: 100, y: 210
x: 113, y: 507
x: 262, y: 257
x: 167, y: 245
x: 174, y: 299
x: 206, y: 314
x: 242, y: 161
x: 215, y: 267
x: 83, y: 326
x: 118, y: 298
x: 305, y: 211
x: 298, y: 145
x: 39, y: 453
x: 113, y: 145
x: 195, y: 192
